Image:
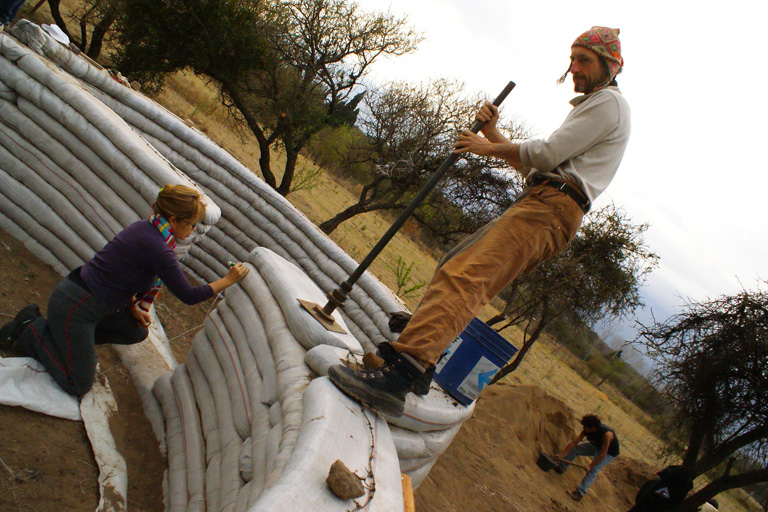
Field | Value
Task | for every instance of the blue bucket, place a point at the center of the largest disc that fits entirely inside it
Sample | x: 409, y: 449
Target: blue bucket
x: 472, y: 360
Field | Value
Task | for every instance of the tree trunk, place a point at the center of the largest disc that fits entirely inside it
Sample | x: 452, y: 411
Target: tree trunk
x: 53, y: 5
x: 495, y: 319
x: 291, y: 156
x: 265, y: 164
x: 527, y: 344
x: 695, y: 500
x: 334, y: 222
x: 97, y: 36
x: 695, y: 440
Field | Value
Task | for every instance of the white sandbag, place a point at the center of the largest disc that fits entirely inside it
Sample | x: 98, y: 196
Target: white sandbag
x: 435, y: 411
x: 57, y: 166
x: 139, y: 154
x: 177, y: 475
x: 246, y: 460
x: 336, y: 427
x: 243, y: 496
x: 97, y: 407
x: 40, y: 183
x: 288, y: 284
x: 418, y: 475
x: 422, y: 445
x: 412, y: 465
x: 9, y: 188
x: 160, y: 341
x: 45, y: 254
x: 323, y: 356
x: 229, y: 361
x: 25, y: 383
x: 216, y: 268
x: 242, y: 304
x: 240, y: 252
x: 145, y: 366
x: 259, y: 413
x: 292, y: 374
x: 275, y: 414
x: 211, y: 432
x: 105, y: 131
x: 230, y: 439
x: 123, y: 200
x: 7, y: 93
x: 194, y: 446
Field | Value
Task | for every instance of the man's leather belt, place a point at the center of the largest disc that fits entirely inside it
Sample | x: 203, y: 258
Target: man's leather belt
x: 565, y: 188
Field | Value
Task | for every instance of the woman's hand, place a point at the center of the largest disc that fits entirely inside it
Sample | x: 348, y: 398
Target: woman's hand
x: 236, y: 272
x: 142, y: 317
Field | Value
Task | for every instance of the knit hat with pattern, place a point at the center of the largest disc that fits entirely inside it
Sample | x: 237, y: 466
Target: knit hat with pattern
x: 605, y: 42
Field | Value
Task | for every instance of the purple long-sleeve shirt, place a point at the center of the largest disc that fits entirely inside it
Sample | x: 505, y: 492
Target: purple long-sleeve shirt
x: 129, y: 263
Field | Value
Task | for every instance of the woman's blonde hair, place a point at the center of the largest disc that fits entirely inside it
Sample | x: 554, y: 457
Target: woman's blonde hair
x: 180, y: 201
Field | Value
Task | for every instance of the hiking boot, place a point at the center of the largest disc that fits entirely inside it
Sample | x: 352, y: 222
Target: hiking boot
x: 383, y: 388
x: 575, y: 495
x: 398, y: 320
x: 421, y: 382
x: 11, y: 331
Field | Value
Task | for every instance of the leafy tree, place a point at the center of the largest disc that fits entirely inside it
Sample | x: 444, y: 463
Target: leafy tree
x: 409, y: 130
x: 712, y: 363
x: 598, y: 275
x: 286, y: 69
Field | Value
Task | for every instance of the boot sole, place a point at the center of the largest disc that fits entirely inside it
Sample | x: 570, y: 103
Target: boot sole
x: 377, y: 400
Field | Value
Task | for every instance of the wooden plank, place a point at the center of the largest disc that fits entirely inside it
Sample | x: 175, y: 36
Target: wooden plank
x: 410, y: 504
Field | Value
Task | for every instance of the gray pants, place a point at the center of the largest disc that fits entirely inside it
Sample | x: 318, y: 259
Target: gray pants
x: 77, y: 322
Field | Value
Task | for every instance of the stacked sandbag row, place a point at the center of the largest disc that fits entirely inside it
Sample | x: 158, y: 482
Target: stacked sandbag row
x: 254, y: 214
x: 248, y: 426
x: 72, y: 173
x: 420, y: 435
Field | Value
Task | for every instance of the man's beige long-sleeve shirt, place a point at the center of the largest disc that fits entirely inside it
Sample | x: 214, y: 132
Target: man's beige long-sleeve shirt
x: 588, y: 147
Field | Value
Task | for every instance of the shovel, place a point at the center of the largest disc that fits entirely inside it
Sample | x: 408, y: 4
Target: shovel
x: 549, y: 462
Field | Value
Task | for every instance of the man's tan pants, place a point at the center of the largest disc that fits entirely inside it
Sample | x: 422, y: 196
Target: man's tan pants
x: 538, y: 226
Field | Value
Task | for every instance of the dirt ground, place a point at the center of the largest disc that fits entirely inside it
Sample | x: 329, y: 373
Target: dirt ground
x: 490, y: 466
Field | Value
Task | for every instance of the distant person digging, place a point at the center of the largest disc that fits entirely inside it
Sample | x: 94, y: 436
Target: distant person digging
x: 601, y: 444
x: 564, y: 174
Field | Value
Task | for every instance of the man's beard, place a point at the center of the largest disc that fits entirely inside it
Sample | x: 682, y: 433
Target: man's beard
x: 587, y: 86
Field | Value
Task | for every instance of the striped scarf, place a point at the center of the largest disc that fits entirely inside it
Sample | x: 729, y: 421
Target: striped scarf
x: 165, y: 229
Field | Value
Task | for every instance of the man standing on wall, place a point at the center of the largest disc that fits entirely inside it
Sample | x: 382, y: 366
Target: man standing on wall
x: 564, y: 174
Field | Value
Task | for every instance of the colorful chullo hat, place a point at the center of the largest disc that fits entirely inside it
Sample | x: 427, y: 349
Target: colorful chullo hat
x: 605, y: 42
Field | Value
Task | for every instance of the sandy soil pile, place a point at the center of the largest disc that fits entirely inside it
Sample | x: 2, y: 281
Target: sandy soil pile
x: 491, y: 465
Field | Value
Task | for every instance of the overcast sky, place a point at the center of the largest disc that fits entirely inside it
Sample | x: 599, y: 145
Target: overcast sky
x: 695, y: 81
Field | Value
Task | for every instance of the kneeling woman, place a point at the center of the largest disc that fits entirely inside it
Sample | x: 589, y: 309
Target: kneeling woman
x: 107, y: 300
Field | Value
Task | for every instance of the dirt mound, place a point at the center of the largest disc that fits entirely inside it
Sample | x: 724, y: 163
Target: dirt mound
x: 491, y: 464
